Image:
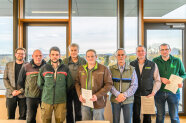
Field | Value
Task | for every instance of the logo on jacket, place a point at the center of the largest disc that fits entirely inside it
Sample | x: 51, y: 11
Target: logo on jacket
x: 148, y: 68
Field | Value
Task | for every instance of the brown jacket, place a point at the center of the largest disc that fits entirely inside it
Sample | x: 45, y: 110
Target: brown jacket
x: 101, y: 83
x: 9, y: 80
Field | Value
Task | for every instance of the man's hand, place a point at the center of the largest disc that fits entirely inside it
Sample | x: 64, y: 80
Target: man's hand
x: 180, y: 85
x: 94, y: 98
x: 150, y: 95
x: 121, y: 97
x: 81, y: 99
x: 165, y: 80
x: 16, y: 92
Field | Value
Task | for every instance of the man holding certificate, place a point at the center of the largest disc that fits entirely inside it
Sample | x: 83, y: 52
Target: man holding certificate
x: 92, y: 83
x: 168, y: 65
x: 148, y: 84
x: 125, y: 85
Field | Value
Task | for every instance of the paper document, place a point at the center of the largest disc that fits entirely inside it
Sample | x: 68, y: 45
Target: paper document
x: 147, y: 105
x: 174, y: 81
x: 87, y: 95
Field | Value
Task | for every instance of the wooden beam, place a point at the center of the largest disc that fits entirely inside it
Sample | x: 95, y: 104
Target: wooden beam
x: 141, y: 23
x: 69, y: 33
x: 20, y: 43
x: 15, y: 25
x: 20, y: 24
x: 165, y: 20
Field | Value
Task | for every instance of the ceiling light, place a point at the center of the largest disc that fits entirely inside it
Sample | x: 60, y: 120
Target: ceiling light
x: 51, y: 12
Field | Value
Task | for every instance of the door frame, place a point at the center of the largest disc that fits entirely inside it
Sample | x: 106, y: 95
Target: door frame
x: 164, y: 26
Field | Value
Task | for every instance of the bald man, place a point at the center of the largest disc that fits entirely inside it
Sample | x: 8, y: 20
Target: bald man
x: 28, y: 83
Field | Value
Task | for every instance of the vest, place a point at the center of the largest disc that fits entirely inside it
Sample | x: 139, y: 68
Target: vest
x: 146, y: 79
x: 124, y: 78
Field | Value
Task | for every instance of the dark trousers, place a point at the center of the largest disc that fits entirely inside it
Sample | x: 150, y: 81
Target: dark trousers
x: 137, y: 110
x: 32, y: 105
x: 11, y: 104
x: 72, y: 96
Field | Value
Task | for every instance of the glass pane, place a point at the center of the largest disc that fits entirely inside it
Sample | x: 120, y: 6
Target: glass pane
x: 46, y: 9
x: 95, y: 27
x: 131, y: 28
x: 45, y: 37
x: 6, y: 37
x: 165, y: 9
x: 157, y: 37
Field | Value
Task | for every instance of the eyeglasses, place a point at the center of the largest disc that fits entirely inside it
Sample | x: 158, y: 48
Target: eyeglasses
x: 20, y: 53
x: 164, y: 50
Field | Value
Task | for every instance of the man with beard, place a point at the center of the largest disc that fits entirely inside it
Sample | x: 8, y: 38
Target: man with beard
x: 55, y: 81
x: 10, y: 78
x: 73, y: 62
x: 28, y: 83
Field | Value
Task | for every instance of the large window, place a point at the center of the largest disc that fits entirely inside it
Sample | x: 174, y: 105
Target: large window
x: 157, y: 34
x: 6, y: 36
x: 131, y: 28
x: 165, y: 9
x: 46, y: 9
x: 45, y: 37
x: 94, y: 26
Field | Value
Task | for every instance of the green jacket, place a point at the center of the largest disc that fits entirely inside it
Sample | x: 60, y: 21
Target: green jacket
x: 126, y: 81
x: 172, y: 66
x: 54, y: 91
x: 27, y: 80
x: 74, y: 70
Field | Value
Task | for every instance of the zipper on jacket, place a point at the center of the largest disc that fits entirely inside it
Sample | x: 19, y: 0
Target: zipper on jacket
x: 54, y: 86
x: 103, y: 98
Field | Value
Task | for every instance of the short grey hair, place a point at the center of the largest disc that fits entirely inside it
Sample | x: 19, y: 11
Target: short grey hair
x: 164, y: 44
x: 73, y: 45
x: 54, y: 49
x: 116, y: 53
x: 141, y: 46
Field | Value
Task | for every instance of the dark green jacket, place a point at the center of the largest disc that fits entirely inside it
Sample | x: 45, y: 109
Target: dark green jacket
x: 54, y: 91
x: 27, y: 80
x: 172, y: 66
x: 68, y: 61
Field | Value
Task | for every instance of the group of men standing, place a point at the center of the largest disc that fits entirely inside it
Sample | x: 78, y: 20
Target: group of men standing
x: 57, y: 85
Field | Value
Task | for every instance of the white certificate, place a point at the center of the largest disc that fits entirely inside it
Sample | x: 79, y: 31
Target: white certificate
x: 87, y: 95
x: 174, y: 81
x: 147, y: 105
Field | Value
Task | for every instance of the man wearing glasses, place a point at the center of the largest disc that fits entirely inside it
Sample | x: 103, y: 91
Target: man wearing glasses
x: 10, y: 78
x: 73, y: 62
x: 168, y: 65
x: 125, y: 85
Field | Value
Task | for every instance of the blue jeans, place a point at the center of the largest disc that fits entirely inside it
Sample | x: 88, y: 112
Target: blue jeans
x: 127, y: 112
x: 173, y: 102
x: 90, y: 114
